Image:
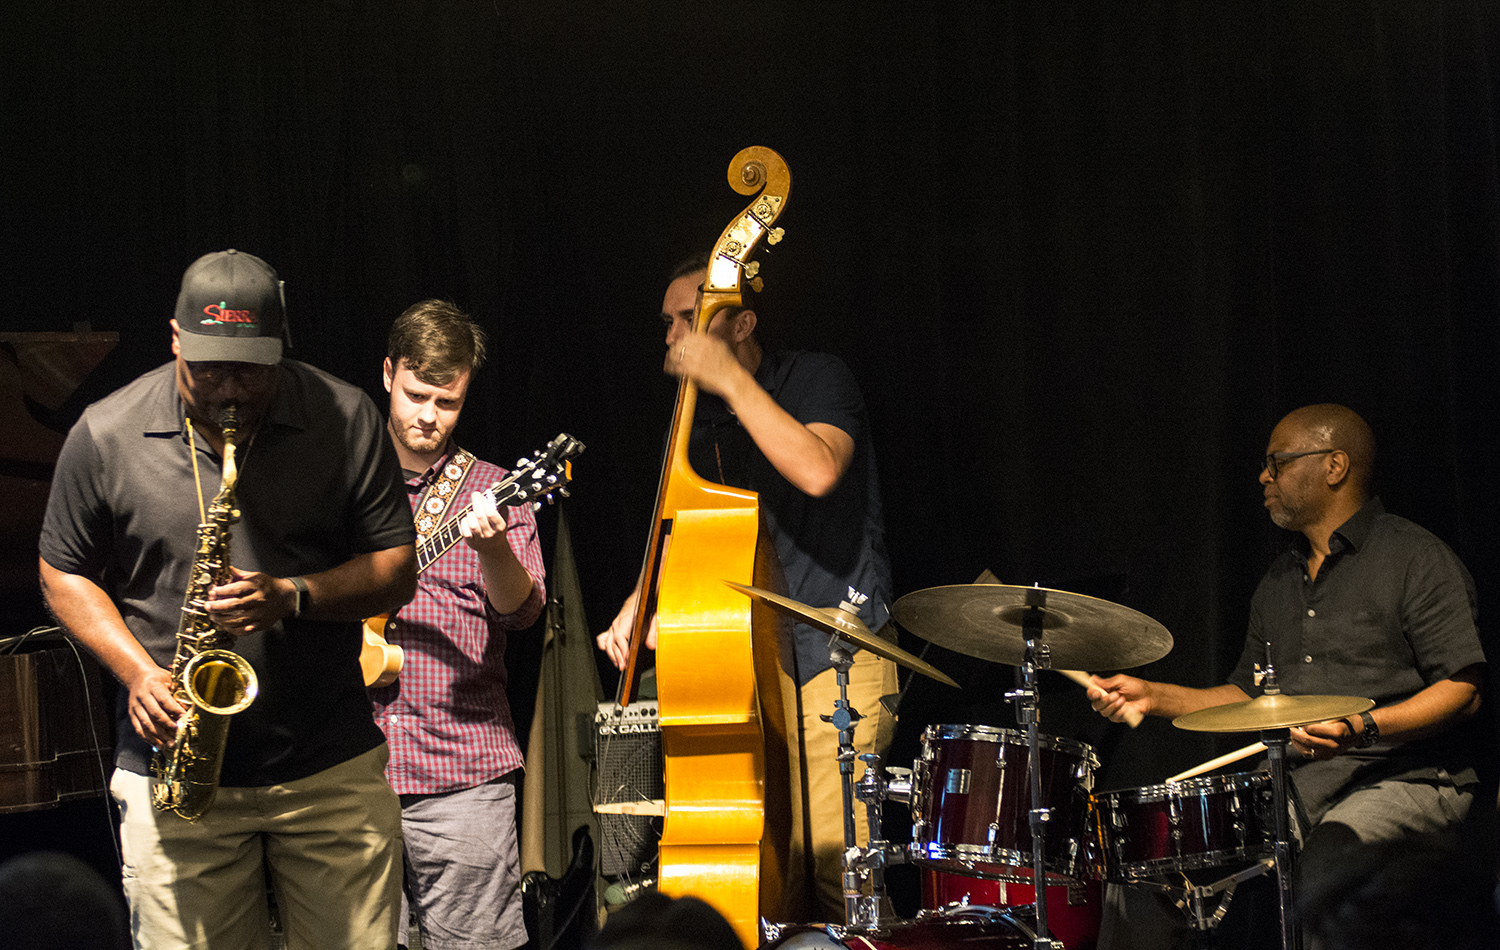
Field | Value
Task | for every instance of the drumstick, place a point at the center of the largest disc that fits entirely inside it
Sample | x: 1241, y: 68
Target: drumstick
x: 1225, y: 759
x: 1132, y: 716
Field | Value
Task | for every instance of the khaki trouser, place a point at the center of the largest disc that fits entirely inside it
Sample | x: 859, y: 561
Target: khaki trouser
x: 817, y: 789
x: 332, y: 842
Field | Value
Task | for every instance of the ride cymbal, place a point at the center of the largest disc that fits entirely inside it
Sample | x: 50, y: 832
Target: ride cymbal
x: 987, y: 621
x: 1272, y: 711
x: 846, y: 625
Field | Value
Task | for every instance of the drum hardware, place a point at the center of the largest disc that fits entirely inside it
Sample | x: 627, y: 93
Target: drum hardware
x: 849, y: 634
x: 1273, y: 715
x: 1028, y: 714
x: 1192, y: 899
x: 1033, y: 628
x: 861, y: 913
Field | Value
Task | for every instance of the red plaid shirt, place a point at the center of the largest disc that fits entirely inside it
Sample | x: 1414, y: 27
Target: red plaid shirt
x: 446, y: 718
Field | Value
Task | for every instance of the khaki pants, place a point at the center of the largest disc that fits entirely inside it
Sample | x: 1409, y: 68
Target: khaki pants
x: 817, y: 789
x: 332, y: 843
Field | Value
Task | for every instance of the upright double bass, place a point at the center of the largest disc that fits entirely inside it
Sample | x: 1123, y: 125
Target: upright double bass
x: 726, y: 825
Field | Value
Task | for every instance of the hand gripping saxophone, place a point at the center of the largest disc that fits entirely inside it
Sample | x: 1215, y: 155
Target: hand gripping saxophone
x: 212, y: 682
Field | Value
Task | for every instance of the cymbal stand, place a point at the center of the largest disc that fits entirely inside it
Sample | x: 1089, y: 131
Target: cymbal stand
x: 860, y: 912
x: 1037, y: 656
x: 1276, y: 742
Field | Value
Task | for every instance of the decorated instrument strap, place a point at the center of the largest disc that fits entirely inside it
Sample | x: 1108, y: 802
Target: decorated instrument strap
x: 441, y: 492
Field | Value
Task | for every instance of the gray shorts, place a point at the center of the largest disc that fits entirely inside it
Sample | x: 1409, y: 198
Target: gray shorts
x: 463, y: 867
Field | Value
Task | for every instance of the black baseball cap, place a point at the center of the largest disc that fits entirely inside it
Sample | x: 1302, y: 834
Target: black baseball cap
x: 231, y: 308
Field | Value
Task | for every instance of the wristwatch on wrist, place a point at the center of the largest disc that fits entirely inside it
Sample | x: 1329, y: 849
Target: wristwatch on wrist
x: 302, y: 602
x: 1371, y: 734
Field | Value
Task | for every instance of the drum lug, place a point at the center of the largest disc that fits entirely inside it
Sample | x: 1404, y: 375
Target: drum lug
x: 957, y: 781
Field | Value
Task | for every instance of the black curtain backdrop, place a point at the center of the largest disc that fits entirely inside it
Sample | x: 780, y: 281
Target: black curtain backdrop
x: 1082, y: 256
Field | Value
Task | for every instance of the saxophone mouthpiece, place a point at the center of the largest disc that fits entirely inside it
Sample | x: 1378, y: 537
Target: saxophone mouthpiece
x: 229, y: 422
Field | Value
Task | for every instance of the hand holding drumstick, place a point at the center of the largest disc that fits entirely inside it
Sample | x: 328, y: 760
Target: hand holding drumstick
x: 1118, y: 706
x: 1118, y: 701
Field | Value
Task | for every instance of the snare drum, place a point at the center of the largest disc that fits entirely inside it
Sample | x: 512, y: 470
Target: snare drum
x: 1075, y: 910
x: 971, y: 802
x: 1185, y: 826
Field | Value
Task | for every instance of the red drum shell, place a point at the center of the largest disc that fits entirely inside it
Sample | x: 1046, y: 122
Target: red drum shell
x: 1185, y: 826
x: 1075, y: 910
x: 972, y: 928
x: 971, y: 801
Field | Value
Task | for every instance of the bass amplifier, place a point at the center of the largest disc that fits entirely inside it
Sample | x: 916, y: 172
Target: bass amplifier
x: 627, y: 753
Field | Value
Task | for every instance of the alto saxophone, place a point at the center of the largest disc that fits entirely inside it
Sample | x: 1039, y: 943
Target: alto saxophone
x: 213, y: 683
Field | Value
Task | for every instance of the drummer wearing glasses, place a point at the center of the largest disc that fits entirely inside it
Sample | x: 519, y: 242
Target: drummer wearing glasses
x: 1364, y: 604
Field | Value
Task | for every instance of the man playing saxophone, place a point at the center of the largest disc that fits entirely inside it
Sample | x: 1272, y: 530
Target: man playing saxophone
x: 317, y: 537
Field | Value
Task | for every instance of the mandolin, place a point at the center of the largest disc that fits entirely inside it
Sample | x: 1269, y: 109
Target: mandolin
x: 533, y: 481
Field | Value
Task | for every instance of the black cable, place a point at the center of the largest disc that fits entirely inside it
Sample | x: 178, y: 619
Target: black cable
x: 9, y: 646
x: 110, y: 817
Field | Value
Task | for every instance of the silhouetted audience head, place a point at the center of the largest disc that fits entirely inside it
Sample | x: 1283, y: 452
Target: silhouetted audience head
x: 52, y: 901
x: 1424, y: 893
x: 655, y: 921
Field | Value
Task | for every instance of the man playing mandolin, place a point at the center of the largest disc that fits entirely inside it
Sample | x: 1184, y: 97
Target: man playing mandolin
x: 792, y: 426
x: 454, y: 755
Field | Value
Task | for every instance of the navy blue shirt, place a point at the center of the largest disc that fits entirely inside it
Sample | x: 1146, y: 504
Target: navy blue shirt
x: 825, y: 545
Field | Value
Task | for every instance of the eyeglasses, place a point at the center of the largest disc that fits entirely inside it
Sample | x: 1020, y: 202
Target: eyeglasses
x: 1273, y: 461
x: 214, y: 373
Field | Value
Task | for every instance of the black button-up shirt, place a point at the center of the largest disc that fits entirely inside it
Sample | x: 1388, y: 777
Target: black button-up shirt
x: 1391, y: 612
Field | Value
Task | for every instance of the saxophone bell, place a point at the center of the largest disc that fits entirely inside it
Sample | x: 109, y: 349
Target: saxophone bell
x: 220, y: 682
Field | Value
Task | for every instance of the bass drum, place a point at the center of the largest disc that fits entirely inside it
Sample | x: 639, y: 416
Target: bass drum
x: 1075, y: 910
x: 973, y: 928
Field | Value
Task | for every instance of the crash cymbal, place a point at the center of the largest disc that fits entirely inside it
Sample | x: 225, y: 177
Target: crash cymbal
x: 1271, y: 711
x: 846, y: 625
x: 987, y: 620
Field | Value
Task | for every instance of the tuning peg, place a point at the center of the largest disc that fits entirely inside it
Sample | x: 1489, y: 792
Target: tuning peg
x: 752, y: 268
x: 757, y: 284
x: 536, y: 506
x: 563, y: 491
x: 775, y: 235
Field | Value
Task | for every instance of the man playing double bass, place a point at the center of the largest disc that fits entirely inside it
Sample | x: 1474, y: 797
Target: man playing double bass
x: 791, y: 425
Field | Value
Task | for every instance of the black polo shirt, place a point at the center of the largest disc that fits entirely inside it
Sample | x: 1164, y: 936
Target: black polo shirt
x: 318, y: 485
